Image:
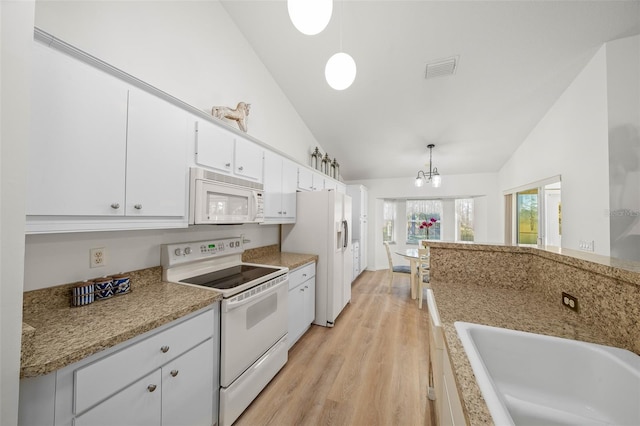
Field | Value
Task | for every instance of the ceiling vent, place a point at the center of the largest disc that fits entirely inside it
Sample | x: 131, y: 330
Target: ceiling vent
x: 441, y: 68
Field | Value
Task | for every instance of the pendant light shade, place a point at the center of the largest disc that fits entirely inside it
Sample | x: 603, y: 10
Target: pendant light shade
x: 340, y: 71
x: 310, y: 17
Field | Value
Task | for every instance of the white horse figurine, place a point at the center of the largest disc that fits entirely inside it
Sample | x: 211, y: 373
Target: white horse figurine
x: 239, y: 114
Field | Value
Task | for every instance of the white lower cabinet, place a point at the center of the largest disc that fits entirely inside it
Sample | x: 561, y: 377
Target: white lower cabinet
x: 165, y: 377
x: 443, y: 389
x: 137, y: 404
x: 355, y: 246
x: 302, y: 301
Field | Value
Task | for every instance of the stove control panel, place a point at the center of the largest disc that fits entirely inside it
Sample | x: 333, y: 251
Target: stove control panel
x: 174, y: 254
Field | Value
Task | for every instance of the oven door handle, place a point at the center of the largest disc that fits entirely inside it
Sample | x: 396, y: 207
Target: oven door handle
x: 230, y: 304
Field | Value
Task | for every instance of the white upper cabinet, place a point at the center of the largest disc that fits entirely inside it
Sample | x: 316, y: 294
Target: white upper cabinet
x: 77, y: 154
x: 224, y: 151
x: 156, y: 157
x: 280, y: 185
x: 305, y: 179
x: 102, y: 149
x: 214, y: 147
x: 248, y: 159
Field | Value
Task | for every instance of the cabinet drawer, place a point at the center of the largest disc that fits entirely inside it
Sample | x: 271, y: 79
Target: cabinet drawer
x: 301, y: 274
x: 106, y: 376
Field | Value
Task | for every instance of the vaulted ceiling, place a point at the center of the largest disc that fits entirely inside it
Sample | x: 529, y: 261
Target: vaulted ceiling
x: 515, y: 58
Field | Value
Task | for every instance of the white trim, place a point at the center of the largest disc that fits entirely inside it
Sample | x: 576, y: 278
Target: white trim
x: 536, y: 184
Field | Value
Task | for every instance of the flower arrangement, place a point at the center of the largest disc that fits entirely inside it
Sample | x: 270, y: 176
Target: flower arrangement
x: 428, y: 224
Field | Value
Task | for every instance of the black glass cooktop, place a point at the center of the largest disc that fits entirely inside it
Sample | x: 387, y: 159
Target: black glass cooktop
x: 230, y: 277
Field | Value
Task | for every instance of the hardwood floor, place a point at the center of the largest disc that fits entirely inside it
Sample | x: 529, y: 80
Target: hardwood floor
x: 370, y: 369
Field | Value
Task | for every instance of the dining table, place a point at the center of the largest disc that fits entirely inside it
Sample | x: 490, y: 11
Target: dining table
x: 411, y: 254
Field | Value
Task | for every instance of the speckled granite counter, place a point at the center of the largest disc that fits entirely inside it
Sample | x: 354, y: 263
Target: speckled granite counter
x: 271, y: 255
x: 520, y: 288
x: 524, y: 310
x: 56, y: 334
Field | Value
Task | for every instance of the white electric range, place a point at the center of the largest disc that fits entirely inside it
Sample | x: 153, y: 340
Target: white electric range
x: 253, y: 335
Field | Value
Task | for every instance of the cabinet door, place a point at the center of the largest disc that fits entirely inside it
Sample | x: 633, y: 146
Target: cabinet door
x: 272, y: 186
x: 187, y: 388
x: 156, y: 157
x: 309, y: 301
x: 214, y: 147
x: 330, y: 184
x: 248, y: 160
x: 138, y: 404
x: 76, y: 160
x: 296, y: 323
x: 289, y: 185
x: 305, y: 179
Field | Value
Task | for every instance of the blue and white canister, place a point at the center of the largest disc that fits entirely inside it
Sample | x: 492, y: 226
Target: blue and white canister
x: 121, y: 284
x: 82, y: 293
x: 103, y: 288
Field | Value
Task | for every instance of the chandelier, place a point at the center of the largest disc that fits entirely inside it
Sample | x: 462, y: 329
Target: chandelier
x: 431, y: 176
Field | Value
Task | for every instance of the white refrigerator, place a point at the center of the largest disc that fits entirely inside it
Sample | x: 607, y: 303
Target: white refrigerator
x: 323, y: 226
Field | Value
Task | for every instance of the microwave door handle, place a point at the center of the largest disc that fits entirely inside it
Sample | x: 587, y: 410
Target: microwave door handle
x: 255, y: 205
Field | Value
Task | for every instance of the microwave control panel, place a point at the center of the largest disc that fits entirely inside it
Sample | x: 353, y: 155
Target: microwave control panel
x: 174, y: 254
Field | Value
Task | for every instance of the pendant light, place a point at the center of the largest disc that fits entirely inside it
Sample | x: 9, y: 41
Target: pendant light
x: 340, y: 71
x: 431, y: 176
x: 310, y: 17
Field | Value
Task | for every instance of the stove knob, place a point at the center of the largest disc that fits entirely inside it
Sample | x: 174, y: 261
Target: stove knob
x: 178, y: 252
x: 187, y: 250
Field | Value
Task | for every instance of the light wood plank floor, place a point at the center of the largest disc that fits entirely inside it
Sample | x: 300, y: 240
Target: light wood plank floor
x: 370, y: 369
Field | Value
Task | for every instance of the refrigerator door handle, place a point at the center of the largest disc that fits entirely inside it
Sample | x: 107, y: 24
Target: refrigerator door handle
x: 346, y: 233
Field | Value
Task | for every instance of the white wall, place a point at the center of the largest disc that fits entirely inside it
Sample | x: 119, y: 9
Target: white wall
x: 623, y: 90
x: 189, y: 49
x: 483, y: 187
x: 16, y: 33
x: 193, y: 51
x: 571, y: 141
x: 53, y: 259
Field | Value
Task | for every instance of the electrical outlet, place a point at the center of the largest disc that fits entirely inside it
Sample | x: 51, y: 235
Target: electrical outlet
x: 97, y: 257
x: 570, y: 301
x: 586, y: 245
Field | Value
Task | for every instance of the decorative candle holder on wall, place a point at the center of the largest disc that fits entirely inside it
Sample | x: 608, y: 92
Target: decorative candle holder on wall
x: 326, y: 161
x: 324, y: 164
x: 316, y: 159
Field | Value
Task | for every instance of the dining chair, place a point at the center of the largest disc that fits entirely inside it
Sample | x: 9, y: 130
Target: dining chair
x: 423, y: 273
x: 395, y: 270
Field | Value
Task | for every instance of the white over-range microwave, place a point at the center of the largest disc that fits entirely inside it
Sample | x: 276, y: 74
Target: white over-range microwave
x: 217, y: 199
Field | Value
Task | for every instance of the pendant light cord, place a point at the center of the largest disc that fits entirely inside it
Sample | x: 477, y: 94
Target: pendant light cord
x: 341, y: 15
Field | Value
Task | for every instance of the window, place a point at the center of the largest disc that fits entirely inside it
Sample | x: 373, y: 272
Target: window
x: 527, y: 214
x: 464, y: 219
x: 419, y: 211
x: 388, y: 221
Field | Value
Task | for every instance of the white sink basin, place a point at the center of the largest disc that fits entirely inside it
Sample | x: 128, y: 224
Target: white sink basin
x: 532, y: 379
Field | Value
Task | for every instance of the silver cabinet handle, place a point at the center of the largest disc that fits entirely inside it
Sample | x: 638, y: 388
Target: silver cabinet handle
x: 227, y: 165
x: 306, y: 286
x: 174, y: 373
x: 115, y: 206
x: 151, y: 388
x: 304, y: 275
x: 279, y: 212
x: 302, y: 289
x: 241, y: 168
x: 138, y: 207
x: 284, y: 212
x: 164, y: 349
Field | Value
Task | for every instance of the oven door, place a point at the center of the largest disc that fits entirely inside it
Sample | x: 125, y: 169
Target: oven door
x: 250, y: 327
x: 217, y: 203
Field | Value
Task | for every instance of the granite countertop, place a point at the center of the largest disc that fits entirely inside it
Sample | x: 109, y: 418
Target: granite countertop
x: 524, y: 310
x: 55, y: 334
x: 271, y: 255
